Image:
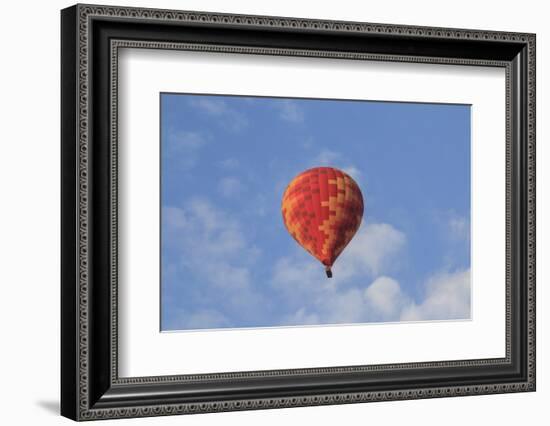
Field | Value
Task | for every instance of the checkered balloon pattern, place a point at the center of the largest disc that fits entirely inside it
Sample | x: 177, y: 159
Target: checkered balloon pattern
x: 322, y: 209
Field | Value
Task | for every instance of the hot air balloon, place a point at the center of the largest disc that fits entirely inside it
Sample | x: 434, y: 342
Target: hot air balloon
x: 322, y: 209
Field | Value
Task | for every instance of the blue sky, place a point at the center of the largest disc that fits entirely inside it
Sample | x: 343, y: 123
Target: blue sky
x: 226, y: 257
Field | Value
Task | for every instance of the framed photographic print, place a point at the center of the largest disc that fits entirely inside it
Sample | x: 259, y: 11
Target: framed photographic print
x: 263, y: 212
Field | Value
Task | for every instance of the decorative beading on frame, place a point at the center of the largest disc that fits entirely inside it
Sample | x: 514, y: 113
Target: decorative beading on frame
x: 531, y: 215
x: 299, y: 23
x: 86, y: 12
x: 302, y: 401
x: 114, y: 215
x: 83, y: 222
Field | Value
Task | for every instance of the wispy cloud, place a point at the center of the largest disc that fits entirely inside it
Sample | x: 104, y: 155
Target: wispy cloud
x: 230, y: 163
x: 290, y: 111
x: 297, y: 278
x: 230, y: 187
x: 230, y: 118
x: 190, y: 320
x: 210, y: 106
x: 447, y: 297
x: 307, y: 142
x: 353, y: 171
x: 459, y: 227
x: 453, y: 230
x: 301, y: 317
x: 184, y: 146
x: 185, y: 141
x: 373, y: 250
x: 212, y: 247
x: 453, y: 226
x: 259, y: 205
x: 327, y: 157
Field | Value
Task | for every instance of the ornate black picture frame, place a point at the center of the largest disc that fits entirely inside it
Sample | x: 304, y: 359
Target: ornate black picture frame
x: 90, y: 385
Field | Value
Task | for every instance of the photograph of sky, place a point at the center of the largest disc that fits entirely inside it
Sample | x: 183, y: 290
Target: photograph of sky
x: 227, y: 260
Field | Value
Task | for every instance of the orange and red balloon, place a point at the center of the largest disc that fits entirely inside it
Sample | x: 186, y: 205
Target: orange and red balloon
x: 322, y: 209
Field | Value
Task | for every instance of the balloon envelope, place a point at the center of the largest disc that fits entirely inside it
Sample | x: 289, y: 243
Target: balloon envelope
x: 322, y: 209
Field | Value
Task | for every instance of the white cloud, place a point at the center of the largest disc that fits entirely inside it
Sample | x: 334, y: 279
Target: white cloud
x: 459, y: 227
x: 230, y: 118
x: 373, y: 250
x: 290, y: 111
x: 225, y: 275
x: 298, y: 273
x: 353, y: 171
x: 307, y: 142
x: 185, y: 141
x: 345, y: 307
x: 184, y: 146
x: 230, y: 163
x: 302, y: 317
x: 447, y: 297
x: 205, y: 318
x: 312, y: 298
x: 326, y: 157
x: 209, y: 105
x: 209, y: 231
x: 309, y: 294
x: 212, y: 247
x: 260, y: 205
x: 382, y: 300
x: 174, y: 218
x: 453, y: 226
x: 385, y: 298
x: 230, y: 187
